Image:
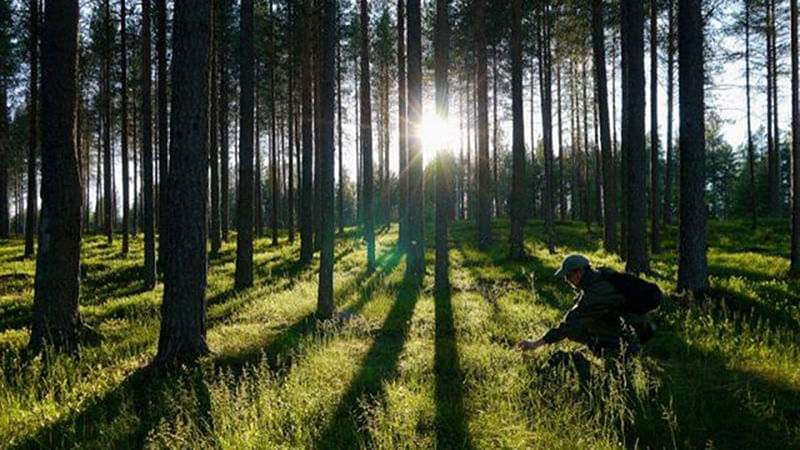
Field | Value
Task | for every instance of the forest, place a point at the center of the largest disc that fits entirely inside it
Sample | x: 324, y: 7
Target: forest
x: 335, y: 223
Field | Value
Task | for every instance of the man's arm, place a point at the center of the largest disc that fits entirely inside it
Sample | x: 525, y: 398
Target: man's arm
x: 574, y: 326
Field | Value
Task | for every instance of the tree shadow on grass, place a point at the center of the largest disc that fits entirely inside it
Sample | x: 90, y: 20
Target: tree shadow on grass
x: 712, y: 403
x: 451, y: 428
x: 728, y: 299
x: 379, y: 365
x: 124, y: 417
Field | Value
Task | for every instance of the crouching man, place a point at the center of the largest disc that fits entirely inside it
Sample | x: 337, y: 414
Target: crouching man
x: 609, y: 313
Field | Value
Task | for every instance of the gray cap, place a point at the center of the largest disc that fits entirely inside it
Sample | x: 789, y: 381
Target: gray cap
x: 572, y: 263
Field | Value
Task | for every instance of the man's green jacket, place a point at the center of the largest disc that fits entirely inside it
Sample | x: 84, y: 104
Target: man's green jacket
x: 599, y: 317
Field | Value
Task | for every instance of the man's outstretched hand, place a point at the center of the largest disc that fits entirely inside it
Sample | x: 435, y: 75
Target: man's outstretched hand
x: 530, y: 345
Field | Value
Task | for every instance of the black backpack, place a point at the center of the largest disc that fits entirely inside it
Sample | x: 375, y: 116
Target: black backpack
x: 640, y: 296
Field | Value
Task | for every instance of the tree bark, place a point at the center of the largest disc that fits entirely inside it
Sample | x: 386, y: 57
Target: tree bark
x: 751, y: 160
x: 56, y: 319
x: 33, y: 132
x: 545, y: 66
x: 163, y: 130
x: 415, y: 260
x: 215, y: 231
x: 484, y: 180
x: 692, y: 265
x: 306, y: 194
x: 442, y: 174
x: 609, y: 170
x: 402, y: 125
x: 655, y: 244
x: 244, y: 210
x: 633, y: 140
x: 292, y: 140
x: 4, y: 174
x: 124, y: 137
x: 517, y: 243
x: 667, y: 206
x: 148, y: 200
x: 183, y: 311
x: 224, y: 110
x: 794, y: 269
x: 325, y: 305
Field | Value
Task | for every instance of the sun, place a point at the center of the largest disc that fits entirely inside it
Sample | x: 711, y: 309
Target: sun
x: 438, y: 134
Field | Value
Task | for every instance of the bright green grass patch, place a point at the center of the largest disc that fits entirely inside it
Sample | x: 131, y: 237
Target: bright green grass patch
x: 401, y: 369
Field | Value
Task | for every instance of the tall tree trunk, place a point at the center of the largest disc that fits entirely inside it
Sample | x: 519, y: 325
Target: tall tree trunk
x: 484, y: 180
x: 587, y: 204
x: 772, y: 175
x: 148, y: 200
x: 794, y: 270
x: 776, y: 162
x: 517, y: 243
x: 4, y: 172
x: 751, y: 160
x: 442, y: 174
x: 562, y: 200
x: 124, y: 137
x: 244, y: 207
x: 163, y: 130
x: 339, y: 130
x: 306, y: 194
x: 215, y: 231
x: 317, y: 77
x: 402, y: 175
x: 135, y: 208
x: 258, y: 183
x: 292, y: 140
x: 545, y: 66
x: 325, y: 306
x: 366, y: 140
x: 224, y: 111
x: 108, y: 202
x: 655, y: 244
x: 533, y: 147
x: 183, y: 311
x: 495, y: 141
x: 56, y: 319
x: 667, y: 206
x: 415, y: 261
x: 633, y: 138
x: 692, y: 265
x: 609, y: 170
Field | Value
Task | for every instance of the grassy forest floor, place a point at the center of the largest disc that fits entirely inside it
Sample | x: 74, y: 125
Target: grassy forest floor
x: 400, y: 370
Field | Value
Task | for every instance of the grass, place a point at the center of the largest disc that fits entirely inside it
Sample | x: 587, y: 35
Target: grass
x: 401, y: 369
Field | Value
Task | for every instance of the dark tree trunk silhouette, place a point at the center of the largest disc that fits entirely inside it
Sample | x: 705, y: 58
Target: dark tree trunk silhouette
x: 4, y: 173
x: 495, y: 142
x: 794, y: 269
x: 224, y: 111
x: 215, y: 231
x: 33, y: 132
x: 148, y: 200
x: 316, y: 39
x: 692, y: 265
x: 124, y: 133
x: 751, y: 160
x: 415, y: 260
x: 306, y: 194
x: 325, y: 305
x: 655, y: 245
x: 163, y: 130
x: 667, y: 205
x: 776, y: 161
x: 442, y: 173
x: 545, y: 66
x: 484, y: 181
x: 518, y: 137
x: 108, y: 200
x: 633, y: 139
x: 244, y: 206
x: 609, y: 170
x: 366, y: 140
x: 276, y: 193
x: 402, y: 176
x: 292, y: 140
x: 183, y: 311
x: 562, y: 199
x: 339, y: 136
x: 56, y: 320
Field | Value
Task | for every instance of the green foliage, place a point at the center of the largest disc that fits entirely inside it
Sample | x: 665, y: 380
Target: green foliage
x: 400, y: 369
